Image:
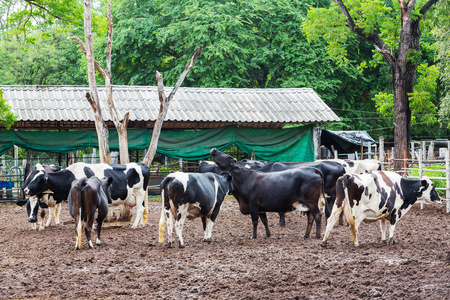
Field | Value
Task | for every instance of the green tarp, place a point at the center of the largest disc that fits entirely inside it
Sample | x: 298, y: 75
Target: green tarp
x: 284, y: 145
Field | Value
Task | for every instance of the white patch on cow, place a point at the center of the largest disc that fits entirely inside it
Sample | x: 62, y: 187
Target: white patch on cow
x: 181, y: 177
x: 208, y: 229
x: 98, y: 241
x: 33, y: 203
x: 183, y: 212
x: 300, y: 207
x: 247, y: 166
x: 90, y: 244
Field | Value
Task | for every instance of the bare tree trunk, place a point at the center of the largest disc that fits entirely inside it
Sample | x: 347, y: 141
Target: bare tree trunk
x: 92, y: 97
x: 164, y: 106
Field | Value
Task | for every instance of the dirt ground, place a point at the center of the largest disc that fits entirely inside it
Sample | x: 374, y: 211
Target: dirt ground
x: 132, y: 265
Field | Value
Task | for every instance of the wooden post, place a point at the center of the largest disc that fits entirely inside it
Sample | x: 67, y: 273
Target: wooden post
x: 362, y: 149
x: 424, y: 150
x: 389, y: 160
x: 421, y: 169
x: 317, y: 133
x: 447, y: 168
x: 180, y: 164
x: 405, y: 164
x: 369, y: 149
x: 335, y: 154
x: 431, y: 151
x: 381, y: 156
x: 94, y: 156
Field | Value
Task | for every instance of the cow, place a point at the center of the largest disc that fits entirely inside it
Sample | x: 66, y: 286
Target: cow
x: 358, y: 166
x: 87, y: 195
x: 129, y: 184
x: 191, y: 195
x: 383, y: 196
x: 331, y: 171
x: 209, y: 166
x: 43, y: 200
x: 295, y: 189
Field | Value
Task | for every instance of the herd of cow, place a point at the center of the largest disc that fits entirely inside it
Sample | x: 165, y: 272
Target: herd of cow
x: 353, y: 190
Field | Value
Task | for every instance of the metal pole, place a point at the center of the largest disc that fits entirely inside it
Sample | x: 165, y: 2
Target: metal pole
x: 405, y: 164
x: 447, y: 168
x: 420, y: 169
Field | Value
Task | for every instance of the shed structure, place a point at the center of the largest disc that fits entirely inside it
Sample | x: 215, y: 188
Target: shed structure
x: 59, y: 119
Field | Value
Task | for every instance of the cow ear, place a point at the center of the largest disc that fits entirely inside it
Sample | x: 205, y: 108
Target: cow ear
x: 43, y: 204
x: 21, y: 202
x: 424, y: 183
x: 110, y: 180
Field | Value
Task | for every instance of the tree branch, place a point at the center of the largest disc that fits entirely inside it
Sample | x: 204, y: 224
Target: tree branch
x: 83, y: 48
x: 186, y: 71
x: 109, y: 44
x: 92, y: 102
x: 427, y: 6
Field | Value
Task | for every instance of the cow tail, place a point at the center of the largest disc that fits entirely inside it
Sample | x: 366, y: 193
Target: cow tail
x: 145, y: 213
x: 162, y: 219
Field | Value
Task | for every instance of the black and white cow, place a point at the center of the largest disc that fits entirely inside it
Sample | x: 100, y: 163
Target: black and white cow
x: 87, y: 195
x: 358, y: 166
x: 42, y: 200
x: 129, y: 184
x: 295, y: 189
x: 383, y: 196
x: 191, y: 195
x: 331, y: 171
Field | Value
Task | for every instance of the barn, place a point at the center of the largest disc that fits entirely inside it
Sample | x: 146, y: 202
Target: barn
x: 59, y: 119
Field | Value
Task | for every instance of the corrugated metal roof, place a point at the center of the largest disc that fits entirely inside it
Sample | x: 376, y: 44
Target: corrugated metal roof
x: 231, y: 106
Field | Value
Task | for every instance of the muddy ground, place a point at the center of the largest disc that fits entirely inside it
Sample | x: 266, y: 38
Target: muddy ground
x: 132, y: 265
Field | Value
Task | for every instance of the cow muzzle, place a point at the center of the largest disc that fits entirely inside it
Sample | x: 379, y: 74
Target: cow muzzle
x: 32, y: 219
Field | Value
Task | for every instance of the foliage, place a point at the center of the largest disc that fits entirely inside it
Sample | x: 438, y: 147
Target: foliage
x: 7, y: 118
x: 440, y: 31
x: 432, y: 170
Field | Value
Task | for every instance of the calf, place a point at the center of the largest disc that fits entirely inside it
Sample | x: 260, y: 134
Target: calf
x: 296, y: 189
x: 87, y: 195
x: 377, y: 196
x: 45, y: 201
x: 191, y: 195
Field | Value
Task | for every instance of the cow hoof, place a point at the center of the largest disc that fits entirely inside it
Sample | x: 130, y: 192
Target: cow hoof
x: 207, y: 241
x: 181, y: 246
x: 384, y: 242
x: 318, y: 236
x: 253, y: 237
x: 169, y: 245
x: 306, y: 236
x: 391, y: 242
x: 267, y: 236
x: 281, y: 224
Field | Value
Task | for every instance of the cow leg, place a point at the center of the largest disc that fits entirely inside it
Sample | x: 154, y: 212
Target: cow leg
x: 169, y: 219
x: 204, y: 222
x: 383, y: 230
x: 57, y: 213
x: 391, y: 234
x: 263, y: 218
x: 208, y: 229
x: 331, y: 221
x: 88, y: 226
x: 318, y: 219
x: 181, y: 217
x: 282, y: 221
x: 354, y: 228
x: 309, y: 224
x: 341, y: 219
x: 41, y: 222
x: 79, y: 228
x: 139, y: 212
x: 101, y: 215
x: 50, y: 212
x: 254, y: 215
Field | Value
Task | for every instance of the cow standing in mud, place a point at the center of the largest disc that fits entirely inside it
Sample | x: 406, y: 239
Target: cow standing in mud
x: 377, y: 196
x: 191, y: 195
x: 86, y: 197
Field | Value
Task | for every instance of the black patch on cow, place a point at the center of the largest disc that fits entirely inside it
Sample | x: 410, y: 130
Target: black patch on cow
x: 394, y: 216
x: 132, y: 177
x: 178, y: 217
x: 167, y: 215
x: 119, y: 184
x: 384, y: 211
x: 410, y: 193
x: 88, y: 172
x: 350, y: 163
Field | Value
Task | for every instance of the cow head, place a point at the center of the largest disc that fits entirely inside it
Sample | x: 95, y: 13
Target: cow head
x: 229, y: 179
x: 33, y: 203
x: 106, y: 186
x: 38, y: 184
x: 427, y: 192
x: 224, y: 161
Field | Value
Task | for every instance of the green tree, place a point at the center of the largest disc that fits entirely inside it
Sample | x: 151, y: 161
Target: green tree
x: 394, y: 29
x: 7, y: 118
